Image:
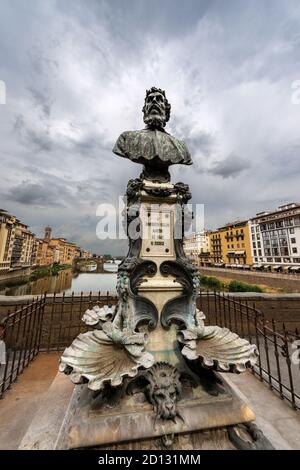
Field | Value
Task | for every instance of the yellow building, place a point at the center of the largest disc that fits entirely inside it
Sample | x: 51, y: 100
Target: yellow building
x: 230, y: 245
x: 71, y: 252
x: 45, y: 254
x: 20, y: 248
x: 59, y: 247
x: 65, y: 251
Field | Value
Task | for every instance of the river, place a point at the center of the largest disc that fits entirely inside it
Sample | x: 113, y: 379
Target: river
x: 65, y: 281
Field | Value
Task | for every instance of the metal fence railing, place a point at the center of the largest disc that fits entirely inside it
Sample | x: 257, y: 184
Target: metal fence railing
x: 278, y: 342
x: 51, y: 322
x: 21, y: 332
x: 48, y: 323
x: 63, y: 317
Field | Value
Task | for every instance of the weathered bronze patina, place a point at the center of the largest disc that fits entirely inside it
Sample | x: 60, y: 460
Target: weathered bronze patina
x: 153, y: 147
x: 155, y: 340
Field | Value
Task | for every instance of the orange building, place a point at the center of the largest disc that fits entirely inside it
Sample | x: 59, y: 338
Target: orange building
x: 230, y: 245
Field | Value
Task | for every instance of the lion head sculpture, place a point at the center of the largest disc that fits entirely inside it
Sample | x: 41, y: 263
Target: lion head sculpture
x: 163, y: 389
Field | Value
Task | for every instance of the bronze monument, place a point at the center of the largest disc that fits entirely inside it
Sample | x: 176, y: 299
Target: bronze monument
x: 149, y: 366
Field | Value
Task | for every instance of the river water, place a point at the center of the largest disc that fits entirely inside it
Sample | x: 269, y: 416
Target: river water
x: 65, y: 281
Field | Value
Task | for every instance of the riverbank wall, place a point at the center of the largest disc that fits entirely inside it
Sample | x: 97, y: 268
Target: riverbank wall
x: 18, y: 275
x: 288, y: 282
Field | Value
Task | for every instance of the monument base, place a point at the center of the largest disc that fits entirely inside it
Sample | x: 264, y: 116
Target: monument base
x: 89, y: 422
x: 211, y: 422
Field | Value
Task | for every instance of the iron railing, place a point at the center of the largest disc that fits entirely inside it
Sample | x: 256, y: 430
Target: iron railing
x: 51, y: 322
x: 278, y: 342
x: 48, y: 323
x: 63, y: 317
x: 21, y: 335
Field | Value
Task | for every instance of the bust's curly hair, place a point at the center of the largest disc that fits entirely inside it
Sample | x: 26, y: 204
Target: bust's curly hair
x: 167, y: 104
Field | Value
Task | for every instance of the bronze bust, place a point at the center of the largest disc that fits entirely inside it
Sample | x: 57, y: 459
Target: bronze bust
x: 153, y: 147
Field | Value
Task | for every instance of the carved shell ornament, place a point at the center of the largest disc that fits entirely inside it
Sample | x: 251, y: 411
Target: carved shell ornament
x: 98, y: 315
x: 216, y: 348
x: 105, y: 356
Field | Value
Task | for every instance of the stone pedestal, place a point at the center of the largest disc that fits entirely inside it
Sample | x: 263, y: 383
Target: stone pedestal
x: 82, y: 421
x: 156, y: 345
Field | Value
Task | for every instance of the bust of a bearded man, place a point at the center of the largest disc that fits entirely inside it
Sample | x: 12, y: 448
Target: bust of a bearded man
x: 153, y: 147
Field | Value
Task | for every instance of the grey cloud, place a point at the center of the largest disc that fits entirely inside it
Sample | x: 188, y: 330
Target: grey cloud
x: 76, y: 75
x: 232, y: 166
x: 42, y: 99
x: 35, y: 194
x: 201, y: 142
x: 18, y: 124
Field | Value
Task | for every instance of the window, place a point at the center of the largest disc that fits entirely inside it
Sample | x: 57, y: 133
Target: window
x: 295, y: 250
x: 258, y: 245
x: 259, y: 252
x: 293, y: 240
x: 292, y: 230
x: 228, y: 246
x: 255, y: 253
x: 242, y: 230
x: 238, y: 245
x: 254, y: 245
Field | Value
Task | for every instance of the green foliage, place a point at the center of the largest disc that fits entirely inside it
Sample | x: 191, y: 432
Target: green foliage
x: 40, y: 272
x: 211, y: 282
x: 214, y: 283
x: 238, y: 286
x: 48, y: 271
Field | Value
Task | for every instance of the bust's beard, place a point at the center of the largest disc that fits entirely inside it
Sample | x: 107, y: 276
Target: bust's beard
x: 154, y: 120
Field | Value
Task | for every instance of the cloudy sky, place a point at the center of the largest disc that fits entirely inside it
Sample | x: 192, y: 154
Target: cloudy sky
x: 76, y: 73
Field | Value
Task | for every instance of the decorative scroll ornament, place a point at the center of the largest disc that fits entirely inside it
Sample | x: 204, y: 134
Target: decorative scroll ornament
x: 216, y: 348
x: 105, y: 356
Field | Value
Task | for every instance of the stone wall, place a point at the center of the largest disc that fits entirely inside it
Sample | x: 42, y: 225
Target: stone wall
x: 289, y: 282
x: 16, y: 275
